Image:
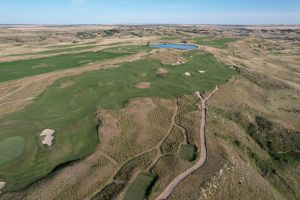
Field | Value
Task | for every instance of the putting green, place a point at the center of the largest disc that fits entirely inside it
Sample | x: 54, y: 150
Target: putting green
x: 11, y: 148
x: 70, y: 111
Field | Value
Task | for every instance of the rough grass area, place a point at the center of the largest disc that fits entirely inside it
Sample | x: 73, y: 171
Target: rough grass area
x: 216, y: 42
x: 11, y: 148
x: 23, y: 68
x: 191, y: 108
x: 140, y: 186
x: 59, y: 50
x: 110, y: 192
x: 71, y: 111
x: 187, y: 152
x: 170, y: 38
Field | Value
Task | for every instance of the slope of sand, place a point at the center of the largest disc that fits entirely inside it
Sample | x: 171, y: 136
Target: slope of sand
x: 2, y: 184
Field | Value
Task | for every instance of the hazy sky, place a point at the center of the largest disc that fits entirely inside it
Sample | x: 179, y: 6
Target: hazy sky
x: 150, y: 11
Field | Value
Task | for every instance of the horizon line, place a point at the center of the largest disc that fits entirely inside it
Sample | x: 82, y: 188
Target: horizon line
x: 128, y: 24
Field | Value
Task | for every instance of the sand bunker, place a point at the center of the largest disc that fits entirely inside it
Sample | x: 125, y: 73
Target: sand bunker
x: 202, y: 72
x: 143, y: 85
x: 2, y: 184
x: 48, y: 137
x: 162, y: 72
x: 187, y: 74
x: 178, y: 63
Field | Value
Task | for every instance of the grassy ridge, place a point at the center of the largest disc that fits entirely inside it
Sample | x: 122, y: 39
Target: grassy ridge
x: 70, y: 111
x: 23, y: 68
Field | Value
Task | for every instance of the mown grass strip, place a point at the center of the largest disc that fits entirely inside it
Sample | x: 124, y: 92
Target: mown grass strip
x: 140, y: 186
x: 23, y: 68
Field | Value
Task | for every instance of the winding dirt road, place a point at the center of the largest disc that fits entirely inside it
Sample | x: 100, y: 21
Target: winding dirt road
x: 171, y: 187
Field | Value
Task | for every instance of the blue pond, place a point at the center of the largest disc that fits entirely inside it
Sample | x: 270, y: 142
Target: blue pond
x: 174, y: 46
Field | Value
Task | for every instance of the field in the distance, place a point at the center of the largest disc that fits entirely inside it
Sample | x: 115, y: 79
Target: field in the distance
x: 23, y: 68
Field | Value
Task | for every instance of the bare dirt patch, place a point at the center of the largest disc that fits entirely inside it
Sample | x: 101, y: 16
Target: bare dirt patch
x: 143, y: 85
x: 66, y: 84
x: 169, y: 56
x: 162, y: 72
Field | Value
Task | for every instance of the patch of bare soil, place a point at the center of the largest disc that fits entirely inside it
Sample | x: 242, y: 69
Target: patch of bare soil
x: 66, y: 84
x: 162, y: 72
x: 169, y: 56
x: 143, y: 85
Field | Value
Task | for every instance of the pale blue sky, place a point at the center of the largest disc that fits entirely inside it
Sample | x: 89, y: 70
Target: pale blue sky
x: 149, y: 11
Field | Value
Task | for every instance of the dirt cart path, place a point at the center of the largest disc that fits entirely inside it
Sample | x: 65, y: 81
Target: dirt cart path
x: 171, y: 187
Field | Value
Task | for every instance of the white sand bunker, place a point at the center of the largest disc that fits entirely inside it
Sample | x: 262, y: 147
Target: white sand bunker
x: 178, y: 63
x: 143, y: 85
x: 47, y: 136
x: 187, y: 74
x: 202, y: 72
x: 2, y: 184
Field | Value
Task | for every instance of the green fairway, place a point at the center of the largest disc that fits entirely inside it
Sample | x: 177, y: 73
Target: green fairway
x: 70, y: 111
x: 216, y: 42
x: 11, y: 148
x: 22, y: 68
x: 187, y: 152
x: 140, y: 187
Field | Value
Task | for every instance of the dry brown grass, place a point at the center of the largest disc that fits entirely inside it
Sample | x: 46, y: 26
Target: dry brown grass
x: 168, y: 56
x: 142, y: 124
x: 75, y: 181
x: 143, y: 85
